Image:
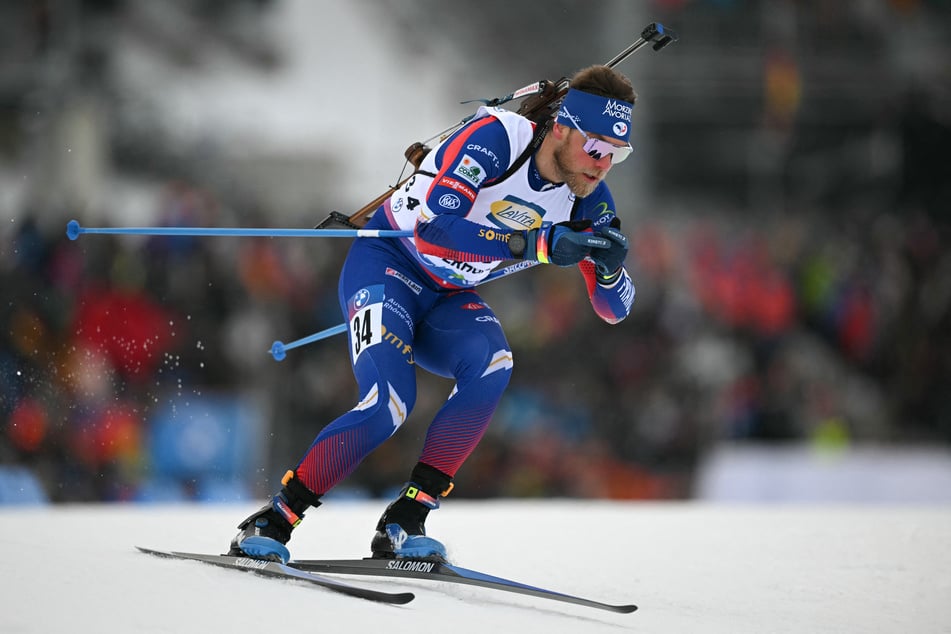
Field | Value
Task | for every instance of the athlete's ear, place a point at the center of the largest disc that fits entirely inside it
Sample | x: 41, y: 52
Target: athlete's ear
x: 560, y: 131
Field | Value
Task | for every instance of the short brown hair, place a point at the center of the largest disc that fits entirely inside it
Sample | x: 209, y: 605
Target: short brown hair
x: 605, y: 82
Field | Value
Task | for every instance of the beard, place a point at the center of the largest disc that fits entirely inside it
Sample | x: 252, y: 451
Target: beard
x: 576, y: 181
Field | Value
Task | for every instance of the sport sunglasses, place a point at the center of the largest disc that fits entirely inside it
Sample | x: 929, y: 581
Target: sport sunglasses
x: 596, y: 148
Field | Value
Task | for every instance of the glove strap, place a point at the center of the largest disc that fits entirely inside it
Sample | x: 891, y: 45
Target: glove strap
x: 541, y: 243
x: 607, y: 280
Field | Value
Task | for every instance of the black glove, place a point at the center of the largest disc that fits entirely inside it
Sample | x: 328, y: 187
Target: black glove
x: 608, y: 262
x: 563, y: 244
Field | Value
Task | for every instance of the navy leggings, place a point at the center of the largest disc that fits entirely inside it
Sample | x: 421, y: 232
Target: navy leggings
x: 397, y: 321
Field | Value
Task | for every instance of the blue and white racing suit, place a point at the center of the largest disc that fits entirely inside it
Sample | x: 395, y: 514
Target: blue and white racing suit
x: 412, y: 301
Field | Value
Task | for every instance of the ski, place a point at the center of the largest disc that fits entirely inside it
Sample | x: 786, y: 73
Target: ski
x: 282, y: 571
x: 441, y: 571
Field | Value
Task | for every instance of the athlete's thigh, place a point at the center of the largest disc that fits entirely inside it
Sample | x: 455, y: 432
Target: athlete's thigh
x: 460, y: 334
x: 382, y: 305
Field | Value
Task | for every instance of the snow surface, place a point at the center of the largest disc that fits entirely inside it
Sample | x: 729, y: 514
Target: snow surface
x: 691, y: 567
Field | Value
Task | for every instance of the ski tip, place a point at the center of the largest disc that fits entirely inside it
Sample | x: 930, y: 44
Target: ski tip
x: 402, y: 598
x: 157, y: 552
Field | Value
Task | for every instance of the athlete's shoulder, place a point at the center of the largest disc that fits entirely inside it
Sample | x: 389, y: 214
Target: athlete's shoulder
x: 506, y: 116
x: 489, y: 139
x: 598, y: 206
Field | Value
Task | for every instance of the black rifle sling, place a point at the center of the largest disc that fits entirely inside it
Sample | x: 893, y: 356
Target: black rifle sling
x: 540, y: 132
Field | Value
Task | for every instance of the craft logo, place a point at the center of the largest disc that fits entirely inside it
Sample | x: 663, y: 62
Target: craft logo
x: 478, y: 148
x: 617, y: 109
x: 470, y: 170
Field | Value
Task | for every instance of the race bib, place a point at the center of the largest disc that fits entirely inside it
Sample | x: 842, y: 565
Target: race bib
x: 365, y: 313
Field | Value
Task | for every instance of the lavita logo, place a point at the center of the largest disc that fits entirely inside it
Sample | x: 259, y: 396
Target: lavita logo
x: 514, y: 213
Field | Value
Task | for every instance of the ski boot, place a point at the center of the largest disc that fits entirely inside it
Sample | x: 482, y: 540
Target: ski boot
x: 401, y: 531
x: 264, y: 534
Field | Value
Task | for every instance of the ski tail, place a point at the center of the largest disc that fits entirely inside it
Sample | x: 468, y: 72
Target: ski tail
x: 282, y: 571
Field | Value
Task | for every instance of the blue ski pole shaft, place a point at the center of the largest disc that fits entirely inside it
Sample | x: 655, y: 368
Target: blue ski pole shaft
x: 74, y: 230
x: 279, y: 349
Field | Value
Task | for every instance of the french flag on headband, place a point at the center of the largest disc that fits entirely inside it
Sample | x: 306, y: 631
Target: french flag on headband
x: 600, y: 115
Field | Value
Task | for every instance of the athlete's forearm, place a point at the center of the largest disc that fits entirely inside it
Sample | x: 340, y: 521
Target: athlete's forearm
x: 611, y: 303
x: 452, y: 237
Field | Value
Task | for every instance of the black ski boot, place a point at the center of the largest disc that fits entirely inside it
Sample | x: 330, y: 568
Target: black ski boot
x: 401, y: 532
x: 264, y: 533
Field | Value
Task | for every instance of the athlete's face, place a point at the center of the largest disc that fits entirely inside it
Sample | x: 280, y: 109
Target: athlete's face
x: 576, y: 168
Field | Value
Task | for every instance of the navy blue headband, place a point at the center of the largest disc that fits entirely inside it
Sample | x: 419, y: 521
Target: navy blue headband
x: 600, y: 115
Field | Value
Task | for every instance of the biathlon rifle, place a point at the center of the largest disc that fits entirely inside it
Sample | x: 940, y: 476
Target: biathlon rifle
x: 540, y: 101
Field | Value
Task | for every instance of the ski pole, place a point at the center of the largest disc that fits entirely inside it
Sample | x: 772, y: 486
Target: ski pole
x: 74, y: 230
x: 279, y: 349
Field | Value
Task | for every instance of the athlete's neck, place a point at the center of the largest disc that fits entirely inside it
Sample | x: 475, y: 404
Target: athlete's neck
x: 545, y: 160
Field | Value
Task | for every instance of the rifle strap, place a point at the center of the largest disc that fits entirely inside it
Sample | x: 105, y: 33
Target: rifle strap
x: 359, y: 219
x: 540, y: 131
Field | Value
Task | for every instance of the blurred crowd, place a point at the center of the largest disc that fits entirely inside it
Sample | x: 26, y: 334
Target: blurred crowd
x: 808, y: 327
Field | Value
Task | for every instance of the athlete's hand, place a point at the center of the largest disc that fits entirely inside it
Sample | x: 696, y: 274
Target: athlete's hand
x: 608, y: 262
x: 563, y: 244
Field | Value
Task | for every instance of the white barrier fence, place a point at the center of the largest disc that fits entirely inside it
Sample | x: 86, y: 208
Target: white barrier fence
x: 803, y: 473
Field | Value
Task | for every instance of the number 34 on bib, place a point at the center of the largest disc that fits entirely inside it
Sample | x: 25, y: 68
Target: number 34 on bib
x: 365, y: 314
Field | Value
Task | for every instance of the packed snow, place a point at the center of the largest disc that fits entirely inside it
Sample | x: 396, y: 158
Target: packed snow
x: 690, y: 567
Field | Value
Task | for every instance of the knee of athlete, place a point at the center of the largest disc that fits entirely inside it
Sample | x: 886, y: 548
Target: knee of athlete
x: 387, y: 405
x: 495, y: 366
x: 499, y: 368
